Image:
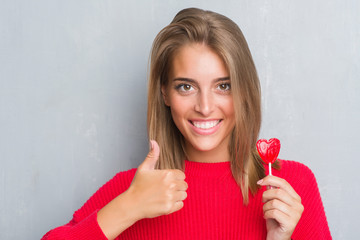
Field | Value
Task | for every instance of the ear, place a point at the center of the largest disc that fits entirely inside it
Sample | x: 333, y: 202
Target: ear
x: 163, y: 92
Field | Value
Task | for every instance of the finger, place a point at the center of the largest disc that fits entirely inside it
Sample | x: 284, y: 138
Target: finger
x: 282, y: 201
x: 286, y: 223
x: 277, y: 215
x: 181, y: 185
x: 177, y: 206
x: 278, y: 194
x: 180, y: 196
x: 174, y: 174
x: 279, y: 183
x: 279, y: 205
x: 152, y: 157
x: 179, y: 175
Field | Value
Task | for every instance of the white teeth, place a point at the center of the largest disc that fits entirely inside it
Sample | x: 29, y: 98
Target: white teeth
x: 206, y: 124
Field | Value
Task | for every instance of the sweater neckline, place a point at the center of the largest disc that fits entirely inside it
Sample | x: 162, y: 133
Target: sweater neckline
x: 217, y: 169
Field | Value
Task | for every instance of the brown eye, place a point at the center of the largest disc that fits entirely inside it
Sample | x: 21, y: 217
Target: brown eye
x: 184, y: 87
x: 187, y: 87
x: 224, y: 86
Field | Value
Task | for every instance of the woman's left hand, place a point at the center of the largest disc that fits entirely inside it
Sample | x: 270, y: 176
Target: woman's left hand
x: 282, y: 208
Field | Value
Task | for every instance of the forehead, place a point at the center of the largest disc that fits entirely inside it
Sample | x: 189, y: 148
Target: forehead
x: 197, y: 61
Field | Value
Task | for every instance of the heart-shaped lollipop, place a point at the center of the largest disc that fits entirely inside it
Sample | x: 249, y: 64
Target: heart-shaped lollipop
x: 268, y: 150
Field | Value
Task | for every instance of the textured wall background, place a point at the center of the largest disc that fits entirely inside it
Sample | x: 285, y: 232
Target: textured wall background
x: 73, y: 97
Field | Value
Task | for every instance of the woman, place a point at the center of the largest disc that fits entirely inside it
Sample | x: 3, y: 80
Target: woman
x: 202, y: 178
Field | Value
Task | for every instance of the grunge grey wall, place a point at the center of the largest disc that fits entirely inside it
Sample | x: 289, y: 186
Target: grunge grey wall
x: 73, y: 97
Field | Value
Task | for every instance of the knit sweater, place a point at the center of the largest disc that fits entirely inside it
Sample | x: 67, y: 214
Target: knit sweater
x: 214, y: 208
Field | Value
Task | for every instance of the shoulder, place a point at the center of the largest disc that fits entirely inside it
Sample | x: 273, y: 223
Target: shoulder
x: 293, y: 167
x: 300, y: 176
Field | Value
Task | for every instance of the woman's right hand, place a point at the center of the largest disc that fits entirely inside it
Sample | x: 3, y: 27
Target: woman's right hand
x: 152, y: 193
x: 157, y: 192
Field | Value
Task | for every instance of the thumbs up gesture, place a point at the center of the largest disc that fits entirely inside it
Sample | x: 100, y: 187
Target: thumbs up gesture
x: 157, y: 192
x: 152, y: 193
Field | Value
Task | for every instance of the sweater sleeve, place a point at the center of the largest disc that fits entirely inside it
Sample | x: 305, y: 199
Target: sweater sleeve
x: 313, y: 223
x: 84, y: 223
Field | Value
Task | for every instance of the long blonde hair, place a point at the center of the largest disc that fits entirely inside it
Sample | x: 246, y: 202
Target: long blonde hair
x: 224, y: 37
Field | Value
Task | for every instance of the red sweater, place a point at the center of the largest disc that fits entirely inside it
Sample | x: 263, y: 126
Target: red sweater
x: 214, y: 208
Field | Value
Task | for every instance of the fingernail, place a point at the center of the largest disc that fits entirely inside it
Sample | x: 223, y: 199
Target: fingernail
x: 151, y: 144
x: 260, y: 182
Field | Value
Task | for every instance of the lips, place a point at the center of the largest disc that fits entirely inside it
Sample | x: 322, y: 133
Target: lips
x: 205, y: 127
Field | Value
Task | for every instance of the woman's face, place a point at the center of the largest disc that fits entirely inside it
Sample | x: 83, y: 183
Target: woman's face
x: 199, y: 96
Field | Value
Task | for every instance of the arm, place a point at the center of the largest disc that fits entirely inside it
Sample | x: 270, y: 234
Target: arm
x: 152, y: 193
x: 84, y: 224
x: 296, y: 185
x: 86, y: 229
x: 282, y: 208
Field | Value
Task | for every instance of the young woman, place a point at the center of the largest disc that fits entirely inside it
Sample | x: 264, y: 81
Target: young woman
x: 203, y: 178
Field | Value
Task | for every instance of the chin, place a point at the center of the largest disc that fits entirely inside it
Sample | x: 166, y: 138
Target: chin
x: 205, y: 146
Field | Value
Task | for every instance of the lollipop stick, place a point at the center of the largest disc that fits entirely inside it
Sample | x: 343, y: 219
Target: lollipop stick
x: 269, y: 187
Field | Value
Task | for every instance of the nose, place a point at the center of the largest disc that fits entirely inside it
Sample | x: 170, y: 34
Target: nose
x: 204, y: 103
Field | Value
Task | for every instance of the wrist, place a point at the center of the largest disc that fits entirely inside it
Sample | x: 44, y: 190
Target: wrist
x: 129, y: 206
x: 116, y: 216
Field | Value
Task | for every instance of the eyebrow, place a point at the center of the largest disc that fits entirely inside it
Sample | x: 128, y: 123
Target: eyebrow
x: 194, y: 81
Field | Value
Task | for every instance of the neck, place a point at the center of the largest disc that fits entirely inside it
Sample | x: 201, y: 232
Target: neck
x: 220, y: 154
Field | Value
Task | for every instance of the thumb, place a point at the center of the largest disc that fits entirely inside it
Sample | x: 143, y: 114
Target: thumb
x: 152, y: 157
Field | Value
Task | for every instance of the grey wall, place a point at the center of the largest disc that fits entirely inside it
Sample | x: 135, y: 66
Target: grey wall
x: 73, y: 98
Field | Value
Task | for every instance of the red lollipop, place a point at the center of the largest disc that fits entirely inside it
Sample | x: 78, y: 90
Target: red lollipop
x: 268, y: 150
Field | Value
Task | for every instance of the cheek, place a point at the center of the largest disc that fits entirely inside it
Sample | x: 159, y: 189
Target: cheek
x: 227, y: 106
x: 230, y: 108
x: 179, y: 107
x: 229, y: 111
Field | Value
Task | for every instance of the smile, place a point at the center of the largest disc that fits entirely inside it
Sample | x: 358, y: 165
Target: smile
x: 205, y: 124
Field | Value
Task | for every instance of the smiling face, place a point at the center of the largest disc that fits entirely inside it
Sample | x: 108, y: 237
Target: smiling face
x: 199, y: 96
